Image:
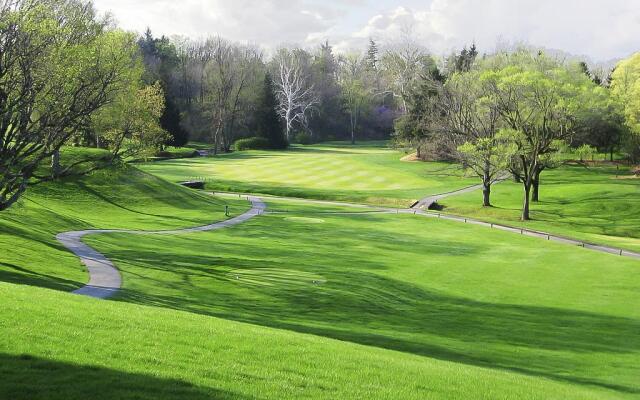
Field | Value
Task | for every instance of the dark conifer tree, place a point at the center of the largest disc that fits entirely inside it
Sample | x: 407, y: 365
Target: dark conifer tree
x: 170, y: 121
x: 372, y: 55
x: 268, y: 122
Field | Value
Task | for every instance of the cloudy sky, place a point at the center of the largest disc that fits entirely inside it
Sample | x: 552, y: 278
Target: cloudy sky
x: 602, y: 30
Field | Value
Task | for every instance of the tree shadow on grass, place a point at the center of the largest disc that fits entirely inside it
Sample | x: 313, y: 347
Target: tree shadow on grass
x: 21, y: 276
x: 173, y: 216
x: 31, y: 378
x: 364, y: 307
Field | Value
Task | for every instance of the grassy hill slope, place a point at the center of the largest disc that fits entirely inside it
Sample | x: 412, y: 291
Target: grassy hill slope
x: 116, y: 198
x: 434, y: 288
x: 60, y: 346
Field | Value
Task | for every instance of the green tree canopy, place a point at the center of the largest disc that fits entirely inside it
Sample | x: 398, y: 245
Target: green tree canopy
x: 58, y: 65
x: 625, y: 86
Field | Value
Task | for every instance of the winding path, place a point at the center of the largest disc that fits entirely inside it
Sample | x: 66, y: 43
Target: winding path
x: 429, y: 200
x: 104, y: 277
x: 456, y: 218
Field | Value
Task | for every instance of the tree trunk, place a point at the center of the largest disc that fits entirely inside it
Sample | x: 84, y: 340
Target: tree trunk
x: 525, y: 206
x: 353, y: 129
x: 535, y: 184
x: 216, y: 139
x: 418, y: 154
x: 486, y: 194
x: 55, y: 164
x: 611, y: 153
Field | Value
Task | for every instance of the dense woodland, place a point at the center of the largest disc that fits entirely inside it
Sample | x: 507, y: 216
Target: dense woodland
x: 71, y: 77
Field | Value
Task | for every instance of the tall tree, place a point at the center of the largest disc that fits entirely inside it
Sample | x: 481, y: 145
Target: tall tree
x: 131, y: 122
x: 328, y: 117
x: 161, y: 59
x: 268, y: 122
x: 471, y: 113
x: 296, y: 94
x: 625, y: 85
x: 356, y: 91
x: 372, y: 55
x: 423, y: 121
x: 539, y: 99
x: 403, y: 64
x: 227, y: 73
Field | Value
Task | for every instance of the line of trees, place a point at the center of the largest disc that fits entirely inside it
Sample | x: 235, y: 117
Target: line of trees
x: 515, y: 113
x: 215, y: 83
x: 69, y: 76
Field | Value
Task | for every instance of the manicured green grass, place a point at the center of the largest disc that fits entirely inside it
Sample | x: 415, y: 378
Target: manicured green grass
x: 309, y: 302
x: 596, y: 204
x: 117, y: 198
x: 60, y: 346
x: 432, y: 288
x: 370, y: 173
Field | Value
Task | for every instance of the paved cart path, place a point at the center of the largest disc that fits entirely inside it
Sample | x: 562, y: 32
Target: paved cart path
x: 450, y: 217
x: 104, y: 278
x: 429, y: 200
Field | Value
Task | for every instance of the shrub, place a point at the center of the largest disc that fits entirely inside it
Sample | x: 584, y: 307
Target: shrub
x: 180, y: 152
x: 252, y: 143
x: 304, y: 138
x: 585, y: 152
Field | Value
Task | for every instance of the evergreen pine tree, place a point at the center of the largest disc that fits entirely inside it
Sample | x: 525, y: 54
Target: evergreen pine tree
x: 268, y: 122
x: 372, y: 55
x: 170, y: 122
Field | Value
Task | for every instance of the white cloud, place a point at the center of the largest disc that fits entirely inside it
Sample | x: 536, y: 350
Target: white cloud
x: 597, y: 28
x: 265, y: 22
x: 601, y: 30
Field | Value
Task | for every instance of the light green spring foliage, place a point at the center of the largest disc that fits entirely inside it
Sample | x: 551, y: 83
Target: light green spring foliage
x: 516, y: 110
x: 357, y: 93
x: 585, y: 152
x: 542, y: 101
x: 130, y: 123
x: 487, y: 155
x: 543, y: 94
x: 59, y: 64
x: 626, y: 87
x: 474, y: 115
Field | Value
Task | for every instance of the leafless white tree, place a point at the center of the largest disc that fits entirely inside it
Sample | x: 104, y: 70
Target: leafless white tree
x: 403, y: 63
x: 294, y: 90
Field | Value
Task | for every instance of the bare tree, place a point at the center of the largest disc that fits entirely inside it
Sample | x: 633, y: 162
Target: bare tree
x: 356, y: 88
x: 247, y: 61
x: 472, y: 116
x: 402, y: 64
x: 227, y: 74
x: 294, y: 90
